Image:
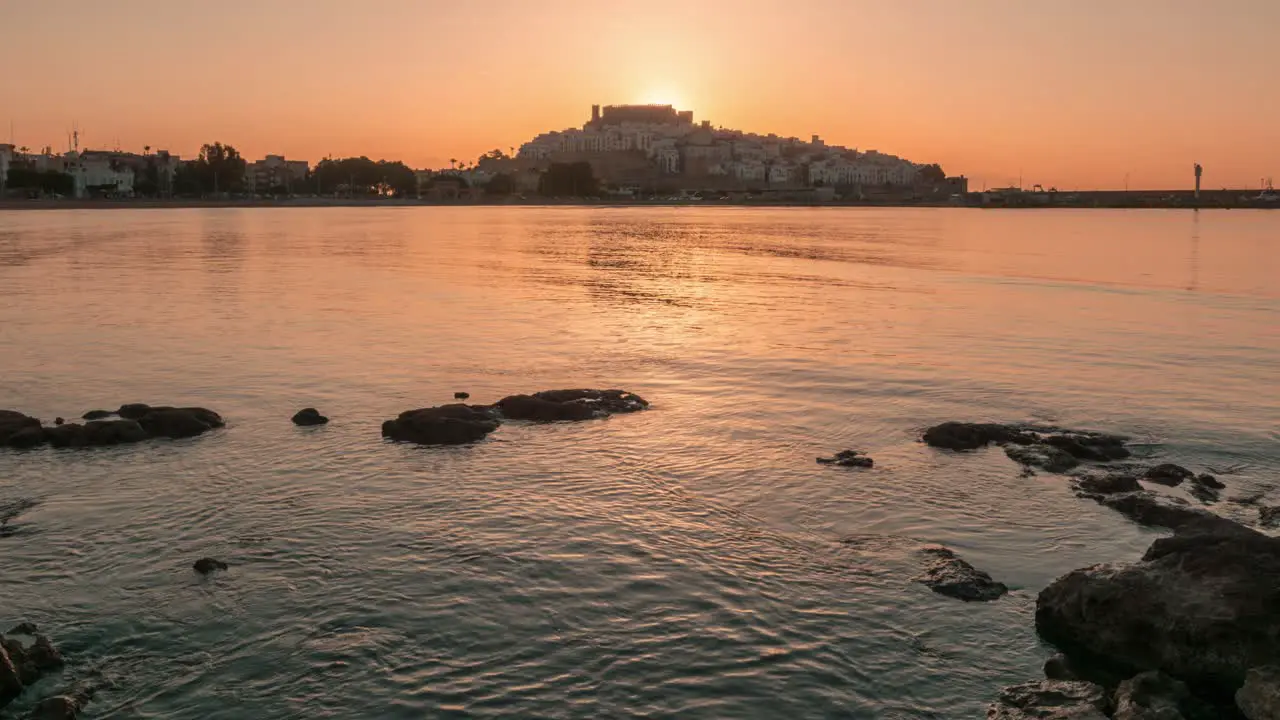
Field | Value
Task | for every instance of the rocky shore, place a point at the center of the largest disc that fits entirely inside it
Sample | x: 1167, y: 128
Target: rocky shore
x: 1191, y: 630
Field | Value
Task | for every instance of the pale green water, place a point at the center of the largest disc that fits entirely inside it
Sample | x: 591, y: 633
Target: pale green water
x: 678, y: 562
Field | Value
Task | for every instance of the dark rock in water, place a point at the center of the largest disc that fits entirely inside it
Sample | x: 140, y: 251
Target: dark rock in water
x: 1053, y: 445
x: 1202, y: 492
x: 1200, y: 606
x: 1259, y: 697
x: 1096, y: 447
x: 1210, y: 481
x: 60, y: 707
x: 58, y: 421
x: 1148, y: 508
x: 95, y: 434
x: 1269, y: 516
x: 1108, y: 484
x: 1050, y: 700
x: 461, y: 395
x: 966, y: 436
x: 553, y: 405
x: 10, y: 509
x: 96, y: 415
x: 951, y: 576
x: 1059, y: 667
x: 24, y: 628
x: 19, y: 431
x: 133, y: 411
x: 443, y: 425
x: 21, y: 664
x: 177, y: 423
x: 1151, y: 695
x: 307, y: 417
x: 848, y: 458
x: 1168, y: 474
x: 1046, y: 457
x: 206, y: 565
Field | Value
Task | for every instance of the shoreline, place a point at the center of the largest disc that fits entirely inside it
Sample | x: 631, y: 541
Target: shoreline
x: 1136, y: 203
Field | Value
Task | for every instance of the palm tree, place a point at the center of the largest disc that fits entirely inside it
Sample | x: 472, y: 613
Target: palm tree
x: 146, y: 149
x: 452, y: 162
x: 24, y: 149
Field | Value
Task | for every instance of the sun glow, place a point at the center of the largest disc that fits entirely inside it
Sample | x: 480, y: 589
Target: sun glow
x: 662, y: 96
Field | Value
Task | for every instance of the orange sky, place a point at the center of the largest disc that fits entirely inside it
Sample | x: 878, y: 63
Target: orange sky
x: 1072, y: 93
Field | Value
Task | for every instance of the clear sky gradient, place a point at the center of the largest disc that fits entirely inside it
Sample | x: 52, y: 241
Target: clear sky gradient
x: 1071, y: 93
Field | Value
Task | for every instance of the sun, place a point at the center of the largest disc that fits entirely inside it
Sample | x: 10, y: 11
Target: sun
x: 662, y: 96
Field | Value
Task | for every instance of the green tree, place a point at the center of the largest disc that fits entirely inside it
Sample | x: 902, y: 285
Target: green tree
x: 932, y: 173
x: 219, y: 169
x: 574, y: 179
x: 500, y: 184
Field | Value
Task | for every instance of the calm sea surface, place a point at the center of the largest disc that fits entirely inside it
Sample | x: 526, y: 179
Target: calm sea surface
x: 681, y: 562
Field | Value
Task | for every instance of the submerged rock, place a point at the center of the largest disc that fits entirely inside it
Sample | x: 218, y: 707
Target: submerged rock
x: 461, y: 396
x: 848, y: 458
x: 951, y: 576
x: 19, y: 431
x: 1148, y: 508
x: 443, y: 425
x: 60, y: 707
x: 1108, y: 484
x: 1200, y: 606
x: 553, y: 405
x: 1210, y: 481
x: 1151, y: 695
x: 307, y: 417
x: 206, y: 565
x: 1202, y: 491
x: 1168, y: 474
x: 1043, y: 456
x: 1259, y: 697
x: 1269, y: 517
x: 1050, y: 700
x: 23, y: 664
x: 96, y: 415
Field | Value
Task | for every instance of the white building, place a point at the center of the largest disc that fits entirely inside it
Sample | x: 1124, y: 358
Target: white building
x: 96, y: 172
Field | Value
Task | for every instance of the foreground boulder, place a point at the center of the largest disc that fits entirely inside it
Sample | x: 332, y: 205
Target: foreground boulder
x: 307, y: 417
x: 21, y: 663
x: 19, y: 431
x: 1050, y: 700
x: 1201, y: 606
x: 553, y: 405
x: 443, y: 425
x: 1151, y: 695
x: 951, y: 576
x: 848, y: 458
x: 1259, y: 697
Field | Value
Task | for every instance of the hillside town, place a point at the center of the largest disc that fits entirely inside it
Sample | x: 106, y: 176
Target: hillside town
x: 622, y: 151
